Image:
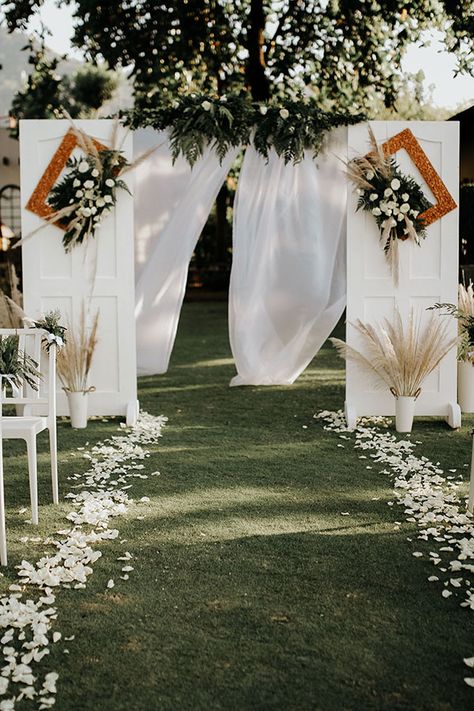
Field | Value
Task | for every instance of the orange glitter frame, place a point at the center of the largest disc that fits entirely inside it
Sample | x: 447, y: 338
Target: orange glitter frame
x: 445, y: 202
x: 37, y: 202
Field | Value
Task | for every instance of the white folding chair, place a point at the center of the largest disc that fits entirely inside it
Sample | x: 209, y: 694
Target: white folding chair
x: 28, y: 425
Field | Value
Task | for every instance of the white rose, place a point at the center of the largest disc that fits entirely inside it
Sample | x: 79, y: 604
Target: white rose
x: 107, y: 198
x: 110, y: 183
x: 100, y: 202
x: 89, y: 184
x: 392, y: 205
x: 405, y: 197
x: 263, y: 110
x: 395, y: 184
x: 76, y: 183
x: 376, y: 211
x: 206, y: 105
x: 83, y: 166
x: 373, y: 196
x: 400, y: 216
x: 387, y: 192
x: 86, y: 212
x: 93, y: 210
x: 89, y: 194
x: 370, y: 174
x: 95, y: 173
x: 384, y: 207
x: 79, y: 193
x: 405, y: 207
x: 284, y: 113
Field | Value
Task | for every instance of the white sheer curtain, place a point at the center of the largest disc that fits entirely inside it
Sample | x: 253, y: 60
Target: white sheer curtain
x: 288, y: 275
x: 172, y: 204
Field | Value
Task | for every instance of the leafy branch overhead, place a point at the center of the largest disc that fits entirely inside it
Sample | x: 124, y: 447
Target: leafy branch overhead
x: 194, y: 121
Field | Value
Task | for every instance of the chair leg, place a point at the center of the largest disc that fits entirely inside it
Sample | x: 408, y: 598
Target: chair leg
x: 54, y: 463
x: 3, y: 533
x: 33, y: 475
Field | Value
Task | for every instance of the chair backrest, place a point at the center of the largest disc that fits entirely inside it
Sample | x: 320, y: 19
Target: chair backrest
x: 30, y: 342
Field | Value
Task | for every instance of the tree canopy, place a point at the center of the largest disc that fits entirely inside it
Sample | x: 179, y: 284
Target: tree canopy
x: 46, y: 93
x: 344, y: 53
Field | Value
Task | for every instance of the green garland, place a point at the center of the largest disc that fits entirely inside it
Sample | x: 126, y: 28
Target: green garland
x: 196, y: 121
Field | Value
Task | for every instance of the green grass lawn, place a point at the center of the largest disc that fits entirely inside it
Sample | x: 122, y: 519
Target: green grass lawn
x: 250, y: 590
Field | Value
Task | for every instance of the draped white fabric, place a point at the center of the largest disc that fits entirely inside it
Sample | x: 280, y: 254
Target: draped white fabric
x: 288, y: 275
x: 172, y: 204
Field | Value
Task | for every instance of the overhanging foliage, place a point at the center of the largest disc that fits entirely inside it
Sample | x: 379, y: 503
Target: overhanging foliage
x: 198, y: 120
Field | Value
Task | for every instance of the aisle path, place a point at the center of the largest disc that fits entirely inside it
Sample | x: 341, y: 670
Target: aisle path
x: 268, y: 574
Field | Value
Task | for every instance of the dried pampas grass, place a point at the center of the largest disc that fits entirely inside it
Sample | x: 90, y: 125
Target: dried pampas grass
x: 75, y: 358
x: 401, y: 358
x: 466, y: 299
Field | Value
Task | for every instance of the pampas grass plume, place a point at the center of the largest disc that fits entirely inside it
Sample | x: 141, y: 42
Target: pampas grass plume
x: 75, y: 358
x: 400, y: 357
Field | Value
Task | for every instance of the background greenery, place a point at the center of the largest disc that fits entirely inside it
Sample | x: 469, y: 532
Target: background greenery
x: 343, y: 53
x: 347, y: 56
x: 250, y: 589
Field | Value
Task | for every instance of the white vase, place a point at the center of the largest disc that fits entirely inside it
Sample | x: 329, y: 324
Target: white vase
x: 78, y: 409
x: 466, y: 386
x: 404, y: 411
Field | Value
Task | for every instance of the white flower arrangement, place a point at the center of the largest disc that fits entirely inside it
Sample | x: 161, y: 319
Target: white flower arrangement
x: 395, y: 200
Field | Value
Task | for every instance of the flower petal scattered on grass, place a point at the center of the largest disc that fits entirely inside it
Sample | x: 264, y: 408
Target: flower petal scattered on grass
x: 25, y: 626
x: 427, y: 498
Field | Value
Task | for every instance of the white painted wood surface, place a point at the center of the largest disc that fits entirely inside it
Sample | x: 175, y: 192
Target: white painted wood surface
x: 428, y: 274
x: 53, y: 279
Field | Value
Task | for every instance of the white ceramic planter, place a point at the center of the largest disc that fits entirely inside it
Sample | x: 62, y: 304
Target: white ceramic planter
x: 404, y: 412
x: 466, y: 386
x: 78, y: 409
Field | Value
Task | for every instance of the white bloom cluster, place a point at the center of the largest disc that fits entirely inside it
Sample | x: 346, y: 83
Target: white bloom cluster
x: 92, y: 202
x: 429, y: 499
x: 395, y: 207
x: 26, y: 625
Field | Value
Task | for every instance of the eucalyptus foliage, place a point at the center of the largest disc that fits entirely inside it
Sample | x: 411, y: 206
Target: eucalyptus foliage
x: 198, y: 120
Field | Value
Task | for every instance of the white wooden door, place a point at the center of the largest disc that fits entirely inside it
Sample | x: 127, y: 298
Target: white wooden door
x: 428, y: 273
x: 53, y: 279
